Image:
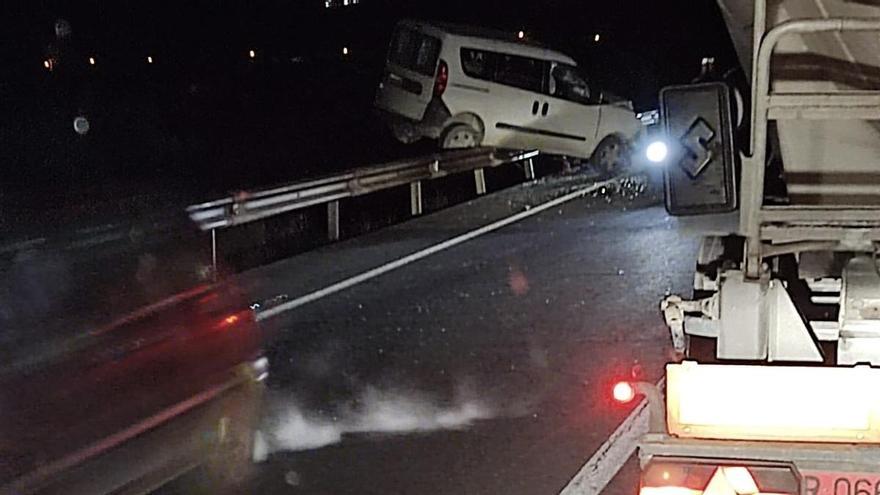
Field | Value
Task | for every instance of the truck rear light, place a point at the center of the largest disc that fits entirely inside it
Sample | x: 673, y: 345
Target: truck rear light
x: 623, y: 392
x: 442, y: 78
x: 773, y: 402
x: 698, y: 477
x: 736, y: 477
x: 668, y: 490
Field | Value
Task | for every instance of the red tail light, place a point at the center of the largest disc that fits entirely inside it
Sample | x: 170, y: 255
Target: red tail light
x: 704, y: 477
x: 442, y: 79
x: 234, y: 319
x: 623, y: 392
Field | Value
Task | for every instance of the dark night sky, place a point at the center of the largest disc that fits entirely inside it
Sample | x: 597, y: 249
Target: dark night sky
x: 205, y: 119
x: 645, y: 44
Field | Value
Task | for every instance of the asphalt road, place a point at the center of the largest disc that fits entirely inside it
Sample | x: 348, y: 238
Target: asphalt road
x: 482, y: 369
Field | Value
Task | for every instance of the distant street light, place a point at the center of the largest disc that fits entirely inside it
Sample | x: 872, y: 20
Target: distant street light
x: 91, y: 60
x: 596, y: 38
x: 149, y: 59
x: 47, y: 64
x: 81, y: 125
x: 345, y: 50
x: 521, y: 35
x: 252, y: 53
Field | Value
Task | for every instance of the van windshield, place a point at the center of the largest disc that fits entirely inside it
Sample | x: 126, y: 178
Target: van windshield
x: 568, y: 83
x: 415, y: 51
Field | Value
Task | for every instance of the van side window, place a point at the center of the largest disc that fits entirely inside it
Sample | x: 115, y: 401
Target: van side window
x: 567, y: 83
x: 478, y: 64
x: 414, y: 51
x: 521, y: 72
x: 511, y: 70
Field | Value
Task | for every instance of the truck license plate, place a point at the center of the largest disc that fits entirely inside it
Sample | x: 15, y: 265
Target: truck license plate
x: 840, y: 483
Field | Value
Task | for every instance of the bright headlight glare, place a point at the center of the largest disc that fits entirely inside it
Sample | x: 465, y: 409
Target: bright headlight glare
x: 656, y: 151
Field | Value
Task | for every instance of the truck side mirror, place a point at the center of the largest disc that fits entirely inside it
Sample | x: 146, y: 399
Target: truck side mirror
x: 700, y: 173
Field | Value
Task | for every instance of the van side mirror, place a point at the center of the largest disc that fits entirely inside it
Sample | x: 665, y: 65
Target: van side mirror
x: 700, y: 170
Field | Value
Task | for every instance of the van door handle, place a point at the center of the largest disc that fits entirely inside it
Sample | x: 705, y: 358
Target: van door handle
x: 535, y: 108
x: 545, y: 108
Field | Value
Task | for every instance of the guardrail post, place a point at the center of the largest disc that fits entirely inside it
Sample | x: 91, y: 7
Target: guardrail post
x: 529, y: 167
x: 480, y: 180
x: 415, y: 198
x: 214, y: 253
x: 333, y: 220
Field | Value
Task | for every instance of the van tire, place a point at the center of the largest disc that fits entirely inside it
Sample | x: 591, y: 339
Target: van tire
x: 611, y: 157
x: 460, y: 136
x: 404, y: 133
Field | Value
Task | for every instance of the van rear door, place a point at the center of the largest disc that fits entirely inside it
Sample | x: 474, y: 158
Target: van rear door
x: 408, y: 83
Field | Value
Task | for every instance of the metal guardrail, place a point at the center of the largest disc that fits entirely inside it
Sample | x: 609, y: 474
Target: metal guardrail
x: 250, y: 206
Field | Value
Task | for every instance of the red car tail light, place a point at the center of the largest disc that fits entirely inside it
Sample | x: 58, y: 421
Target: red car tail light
x: 234, y: 319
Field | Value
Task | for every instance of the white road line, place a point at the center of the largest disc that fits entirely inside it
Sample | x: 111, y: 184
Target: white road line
x: 424, y: 253
x: 611, y: 456
x: 595, y: 475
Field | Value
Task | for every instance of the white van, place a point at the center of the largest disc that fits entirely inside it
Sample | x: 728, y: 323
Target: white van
x: 468, y: 87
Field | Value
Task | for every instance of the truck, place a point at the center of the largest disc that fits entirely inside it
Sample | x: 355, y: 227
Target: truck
x: 775, y: 390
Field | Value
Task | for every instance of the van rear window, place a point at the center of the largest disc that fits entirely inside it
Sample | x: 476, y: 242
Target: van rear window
x: 414, y: 51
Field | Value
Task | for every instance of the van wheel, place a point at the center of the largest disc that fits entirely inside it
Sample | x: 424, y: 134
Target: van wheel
x: 404, y: 133
x: 460, y: 136
x: 611, y: 157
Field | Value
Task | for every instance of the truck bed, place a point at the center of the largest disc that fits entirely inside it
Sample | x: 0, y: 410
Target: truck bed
x: 825, y: 162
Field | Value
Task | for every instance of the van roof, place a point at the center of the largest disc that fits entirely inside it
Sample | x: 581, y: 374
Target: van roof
x: 499, y: 37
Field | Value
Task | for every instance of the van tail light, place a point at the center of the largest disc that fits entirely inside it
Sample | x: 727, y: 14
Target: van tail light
x: 442, y: 79
x: 699, y: 477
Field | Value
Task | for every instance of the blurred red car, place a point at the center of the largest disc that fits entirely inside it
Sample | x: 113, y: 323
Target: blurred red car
x: 121, y: 365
